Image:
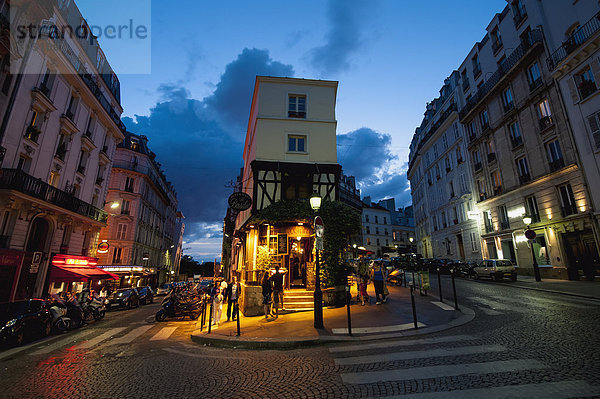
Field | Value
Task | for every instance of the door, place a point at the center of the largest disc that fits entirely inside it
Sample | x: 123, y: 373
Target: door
x: 461, y: 246
x: 582, y: 255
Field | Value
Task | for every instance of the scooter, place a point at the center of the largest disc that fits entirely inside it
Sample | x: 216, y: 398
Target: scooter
x: 171, y: 307
x: 94, y: 309
x: 60, y: 321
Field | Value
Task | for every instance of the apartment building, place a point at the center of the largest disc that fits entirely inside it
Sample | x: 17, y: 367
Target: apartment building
x: 60, y: 123
x: 143, y: 236
x: 377, y: 228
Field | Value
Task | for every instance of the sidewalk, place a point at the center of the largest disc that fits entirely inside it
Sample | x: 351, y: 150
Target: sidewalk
x: 369, y: 322
x: 585, y: 289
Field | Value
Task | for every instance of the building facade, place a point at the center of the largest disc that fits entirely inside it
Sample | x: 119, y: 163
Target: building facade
x: 290, y: 153
x: 144, y: 229
x: 376, y: 228
x: 519, y: 147
x: 60, y: 124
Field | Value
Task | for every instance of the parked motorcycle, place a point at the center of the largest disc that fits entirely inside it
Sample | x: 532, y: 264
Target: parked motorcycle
x: 60, y: 321
x: 177, y: 306
x: 94, y: 309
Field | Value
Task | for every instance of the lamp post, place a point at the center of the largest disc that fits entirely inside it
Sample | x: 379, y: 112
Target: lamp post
x: 530, y: 234
x: 315, y: 204
x: 411, y: 243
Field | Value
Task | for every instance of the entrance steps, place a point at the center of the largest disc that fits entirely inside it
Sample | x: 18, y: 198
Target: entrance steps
x: 298, y: 300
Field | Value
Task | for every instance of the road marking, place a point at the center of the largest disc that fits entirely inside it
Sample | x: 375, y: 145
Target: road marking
x: 67, y: 340
x: 555, y: 390
x: 397, y: 343
x: 100, y: 338
x: 452, y: 370
x: 369, y: 330
x: 488, y: 311
x: 442, y: 305
x: 164, y: 333
x: 130, y: 336
x: 426, y: 354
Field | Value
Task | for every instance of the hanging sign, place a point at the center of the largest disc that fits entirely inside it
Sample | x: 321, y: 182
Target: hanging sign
x: 103, y: 247
x: 530, y: 234
x: 239, y: 201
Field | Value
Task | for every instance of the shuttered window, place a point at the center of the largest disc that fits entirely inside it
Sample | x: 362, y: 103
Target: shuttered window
x: 594, y: 123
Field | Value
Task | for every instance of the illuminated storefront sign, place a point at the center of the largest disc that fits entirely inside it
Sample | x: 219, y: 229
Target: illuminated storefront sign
x: 73, y: 260
x: 128, y: 269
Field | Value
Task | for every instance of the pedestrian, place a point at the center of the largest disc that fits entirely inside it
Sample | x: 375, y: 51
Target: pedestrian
x: 266, y: 291
x: 217, y: 298
x: 234, y: 289
x: 378, y: 277
x: 277, y: 280
x: 363, y: 282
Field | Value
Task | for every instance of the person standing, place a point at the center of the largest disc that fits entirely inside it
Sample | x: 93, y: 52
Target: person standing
x: 378, y: 277
x: 266, y: 291
x: 232, y: 295
x: 277, y: 280
x: 217, y: 295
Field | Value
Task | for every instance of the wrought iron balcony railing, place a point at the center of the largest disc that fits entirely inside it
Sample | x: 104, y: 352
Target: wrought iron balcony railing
x: 557, y: 164
x: 577, y: 38
x: 18, y: 180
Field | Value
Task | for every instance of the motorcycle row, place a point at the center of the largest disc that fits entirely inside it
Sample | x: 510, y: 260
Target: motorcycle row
x: 69, y: 313
x: 182, y: 302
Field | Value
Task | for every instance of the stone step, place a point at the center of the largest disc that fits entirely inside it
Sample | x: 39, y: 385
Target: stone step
x: 296, y: 305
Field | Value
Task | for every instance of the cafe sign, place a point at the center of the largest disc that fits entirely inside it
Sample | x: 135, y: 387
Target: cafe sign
x: 239, y: 201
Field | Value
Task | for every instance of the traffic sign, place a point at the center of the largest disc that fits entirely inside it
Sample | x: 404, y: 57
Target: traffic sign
x: 530, y: 234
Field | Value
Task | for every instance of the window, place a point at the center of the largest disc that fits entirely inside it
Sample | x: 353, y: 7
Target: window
x: 378, y: 242
x: 487, y: 219
x: 472, y: 131
x: 47, y: 82
x: 491, y: 150
x: 125, y: 207
x: 519, y: 11
x: 296, y: 143
x: 586, y: 85
x: 465, y: 80
x: 448, y: 166
x: 507, y: 100
x: 134, y: 144
x: 523, y: 169
x: 435, y: 226
x: 503, y: 216
x: 484, y: 120
x: 5, y: 69
x: 384, y: 220
x: 532, y: 209
x: 476, y: 65
x: 515, y: 135
x: 496, y: 40
x: 377, y: 230
x: 34, y: 129
x: 555, y: 157
x: 567, y: 200
x: 594, y: 123
x: 386, y: 232
x: 444, y: 220
x: 73, y: 102
x: 476, y: 159
x: 368, y: 230
x: 296, y: 106
x: 463, y: 184
x: 368, y: 240
x: 89, y: 131
x: 117, y: 255
x: 376, y: 221
x: 129, y: 184
x: 459, y: 158
x: 534, y: 77
x: 455, y: 214
x: 435, y: 151
x: 474, y: 247
x: 496, y: 182
x: 367, y: 218
x: 544, y: 114
x: 121, y: 231
x: 451, y: 188
x: 54, y: 179
x: 83, y: 159
x: 445, y: 142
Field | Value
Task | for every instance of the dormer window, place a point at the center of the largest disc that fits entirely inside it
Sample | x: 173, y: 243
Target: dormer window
x: 296, y: 106
x: 135, y: 144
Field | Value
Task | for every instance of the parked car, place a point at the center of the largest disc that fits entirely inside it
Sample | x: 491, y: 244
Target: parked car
x: 124, y: 298
x: 164, y: 289
x: 23, y: 320
x: 496, y: 269
x: 145, y: 295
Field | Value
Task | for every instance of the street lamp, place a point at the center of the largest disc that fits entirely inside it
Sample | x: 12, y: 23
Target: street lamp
x: 530, y: 234
x: 315, y: 204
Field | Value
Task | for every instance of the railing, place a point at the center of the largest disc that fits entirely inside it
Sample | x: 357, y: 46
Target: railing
x: 545, y: 123
x: 497, y: 190
x: 557, y: 164
x: 535, y: 36
x: 45, y: 90
x: 535, y: 84
x: 491, y: 157
x: 580, y: 36
x: 518, y: 18
x: 32, y: 133
x: 476, y: 70
x: 16, y: 179
x: 568, y: 210
x: 509, y: 107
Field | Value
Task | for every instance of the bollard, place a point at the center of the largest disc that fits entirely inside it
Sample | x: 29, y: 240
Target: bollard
x: 237, y: 316
x: 203, y: 314
x: 412, y: 301
x: 440, y: 284
x: 454, y: 290
x: 348, y: 296
x: 210, y: 317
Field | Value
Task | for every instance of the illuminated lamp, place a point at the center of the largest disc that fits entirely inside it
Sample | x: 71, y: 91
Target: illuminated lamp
x: 315, y: 201
x: 114, y: 205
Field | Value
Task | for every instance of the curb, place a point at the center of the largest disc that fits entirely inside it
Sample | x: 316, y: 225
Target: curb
x: 235, y: 342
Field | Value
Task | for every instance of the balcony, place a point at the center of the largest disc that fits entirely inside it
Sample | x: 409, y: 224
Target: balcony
x: 577, y: 38
x: 519, y: 17
x: 491, y: 157
x: 534, y: 38
x: 586, y: 88
x: 568, y: 210
x: 477, y: 166
x: 557, y: 164
x: 496, y: 46
x: 533, y: 86
x: 524, y: 179
x: 70, y: 115
x: 18, y: 180
x: 482, y: 196
x: 516, y: 141
x: 81, y: 170
x: 545, y: 123
x: 32, y: 133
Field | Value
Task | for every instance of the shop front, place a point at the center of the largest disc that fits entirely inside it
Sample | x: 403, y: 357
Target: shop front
x: 72, y: 273
x: 130, y: 276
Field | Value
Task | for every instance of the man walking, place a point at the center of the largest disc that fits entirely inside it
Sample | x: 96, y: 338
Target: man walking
x: 277, y: 280
x: 232, y: 294
x: 378, y: 277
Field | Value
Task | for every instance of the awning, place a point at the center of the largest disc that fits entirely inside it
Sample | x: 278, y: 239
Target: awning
x: 79, y: 273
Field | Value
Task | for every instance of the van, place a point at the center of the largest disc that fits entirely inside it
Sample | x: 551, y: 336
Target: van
x: 496, y: 269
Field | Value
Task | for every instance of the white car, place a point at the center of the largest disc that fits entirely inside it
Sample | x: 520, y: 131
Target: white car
x: 496, y: 269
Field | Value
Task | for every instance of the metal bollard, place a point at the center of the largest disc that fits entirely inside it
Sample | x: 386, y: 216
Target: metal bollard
x: 454, y: 290
x: 440, y: 284
x: 237, y: 317
x: 210, y: 316
x: 412, y: 301
x: 203, y: 314
x: 348, y: 297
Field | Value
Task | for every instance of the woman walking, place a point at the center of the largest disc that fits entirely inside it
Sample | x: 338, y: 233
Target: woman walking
x: 266, y: 291
x: 378, y: 277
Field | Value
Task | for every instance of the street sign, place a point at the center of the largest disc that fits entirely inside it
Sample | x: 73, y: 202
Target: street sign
x: 530, y: 234
x: 319, y: 227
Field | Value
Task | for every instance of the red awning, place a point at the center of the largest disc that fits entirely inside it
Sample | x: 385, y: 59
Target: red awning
x: 79, y: 273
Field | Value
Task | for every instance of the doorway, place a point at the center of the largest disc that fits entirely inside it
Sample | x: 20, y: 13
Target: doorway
x: 37, y: 241
x: 582, y: 255
x: 299, y: 252
x: 461, y: 246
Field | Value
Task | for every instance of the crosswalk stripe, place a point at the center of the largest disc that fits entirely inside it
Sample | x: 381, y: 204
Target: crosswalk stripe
x: 100, y: 338
x: 442, y: 305
x: 130, y: 336
x: 426, y: 354
x: 419, y: 373
x: 488, y: 311
x: 555, y: 390
x: 398, y: 343
x: 164, y: 333
x: 67, y: 340
x: 369, y: 330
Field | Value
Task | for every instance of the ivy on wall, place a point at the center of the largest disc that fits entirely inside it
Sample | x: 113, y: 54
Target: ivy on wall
x: 341, y: 221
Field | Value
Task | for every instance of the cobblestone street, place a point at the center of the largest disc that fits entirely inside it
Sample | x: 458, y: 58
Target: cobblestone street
x: 519, y: 338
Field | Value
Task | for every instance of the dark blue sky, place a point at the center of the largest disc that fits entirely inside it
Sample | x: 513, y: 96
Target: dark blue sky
x: 188, y: 86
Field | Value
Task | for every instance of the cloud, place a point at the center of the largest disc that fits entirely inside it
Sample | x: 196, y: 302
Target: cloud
x: 344, y: 37
x: 200, y: 142
x: 395, y: 185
